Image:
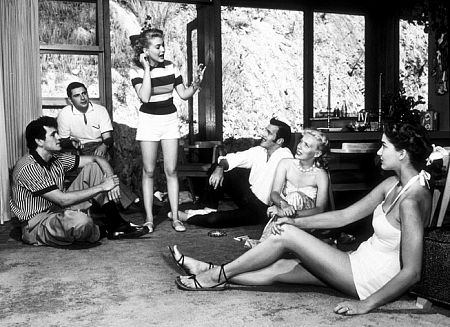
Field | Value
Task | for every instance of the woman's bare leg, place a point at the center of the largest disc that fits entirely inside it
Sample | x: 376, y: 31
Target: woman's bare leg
x: 320, y: 262
x: 149, y: 151
x: 191, y: 265
x: 283, y: 270
x: 170, y: 153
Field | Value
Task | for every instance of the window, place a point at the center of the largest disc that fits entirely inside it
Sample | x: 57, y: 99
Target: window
x: 262, y: 69
x: 71, y: 49
x: 339, y: 65
x: 414, y: 62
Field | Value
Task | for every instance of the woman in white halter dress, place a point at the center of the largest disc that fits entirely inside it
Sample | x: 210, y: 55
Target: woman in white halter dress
x: 379, y: 271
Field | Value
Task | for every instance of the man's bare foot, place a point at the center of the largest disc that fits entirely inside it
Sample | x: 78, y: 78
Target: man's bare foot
x: 191, y: 265
x: 182, y: 216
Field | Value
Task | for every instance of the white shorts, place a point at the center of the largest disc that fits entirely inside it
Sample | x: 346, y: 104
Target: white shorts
x: 157, y: 127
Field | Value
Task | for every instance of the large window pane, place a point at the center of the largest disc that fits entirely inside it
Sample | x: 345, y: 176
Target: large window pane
x: 414, y: 62
x: 262, y: 54
x: 67, y: 22
x: 338, y: 54
x: 58, y: 70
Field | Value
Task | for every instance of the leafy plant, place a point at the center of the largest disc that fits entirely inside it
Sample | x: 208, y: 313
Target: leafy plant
x: 401, y: 108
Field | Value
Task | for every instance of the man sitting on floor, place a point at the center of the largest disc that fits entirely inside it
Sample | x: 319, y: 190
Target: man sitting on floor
x: 87, y: 127
x: 52, y: 216
x: 250, y: 188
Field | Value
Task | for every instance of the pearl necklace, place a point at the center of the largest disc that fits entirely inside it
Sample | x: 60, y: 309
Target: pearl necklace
x: 305, y: 170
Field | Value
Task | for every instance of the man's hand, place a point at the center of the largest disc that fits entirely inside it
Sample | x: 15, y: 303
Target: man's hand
x: 216, y: 178
x: 101, y: 150
x: 110, y: 182
x: 76, y: 143
x: 114, y: 195
x: 111, y: 185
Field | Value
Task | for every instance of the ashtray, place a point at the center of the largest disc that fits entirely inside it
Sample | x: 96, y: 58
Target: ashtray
x: 217, y: 233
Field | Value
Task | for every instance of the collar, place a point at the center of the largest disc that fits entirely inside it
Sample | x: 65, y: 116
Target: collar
x: 41, y: 161
x: 75, y: 111
x: 159, y: 65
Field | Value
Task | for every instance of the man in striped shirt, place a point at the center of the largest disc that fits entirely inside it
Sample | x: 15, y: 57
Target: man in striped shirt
x: 49, y: 214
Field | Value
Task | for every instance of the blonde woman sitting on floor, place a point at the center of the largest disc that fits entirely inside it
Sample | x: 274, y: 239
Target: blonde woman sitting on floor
x: 300, y: 187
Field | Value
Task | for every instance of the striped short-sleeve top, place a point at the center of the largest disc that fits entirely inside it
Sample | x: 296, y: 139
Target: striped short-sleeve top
x: 164, y: 78
x: 32, y: 177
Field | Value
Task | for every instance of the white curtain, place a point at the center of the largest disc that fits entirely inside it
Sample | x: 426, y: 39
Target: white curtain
x: 20, y: 90
x: 4, y: 175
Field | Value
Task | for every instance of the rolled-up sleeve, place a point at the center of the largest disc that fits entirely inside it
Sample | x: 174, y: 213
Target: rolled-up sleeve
x: 241, y: 159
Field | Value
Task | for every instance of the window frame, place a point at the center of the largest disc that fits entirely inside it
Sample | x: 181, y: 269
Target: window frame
x: 102, y: 50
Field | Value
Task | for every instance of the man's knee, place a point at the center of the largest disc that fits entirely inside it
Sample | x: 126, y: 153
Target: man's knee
x: 81, y: 226
x: 92, y: 167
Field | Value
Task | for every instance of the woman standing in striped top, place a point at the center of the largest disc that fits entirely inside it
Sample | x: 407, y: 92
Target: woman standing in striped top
x: 155, y: 80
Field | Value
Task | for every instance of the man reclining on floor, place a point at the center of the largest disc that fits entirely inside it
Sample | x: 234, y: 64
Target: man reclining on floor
x: 250, y: 191
x: 49, y: 214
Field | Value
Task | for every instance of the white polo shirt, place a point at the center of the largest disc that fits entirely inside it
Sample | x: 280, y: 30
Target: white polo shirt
x: 86, y: 127
x: 262, y: 171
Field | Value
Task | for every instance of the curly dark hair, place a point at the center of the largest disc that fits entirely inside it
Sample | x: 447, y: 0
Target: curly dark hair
x: 35, y: 130
x: 141, y: 41
x: 410, y: 137
x: 74, y: 85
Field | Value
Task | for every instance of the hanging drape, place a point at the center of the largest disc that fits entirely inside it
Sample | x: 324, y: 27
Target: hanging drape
x: 20, y: 90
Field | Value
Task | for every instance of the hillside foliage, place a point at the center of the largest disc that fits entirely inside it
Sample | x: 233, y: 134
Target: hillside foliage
x: 262, y: 55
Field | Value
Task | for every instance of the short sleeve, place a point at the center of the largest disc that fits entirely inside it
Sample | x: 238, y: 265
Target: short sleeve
x: 69, y: 162
x: 31, y: 179
x: 63, y: 120
x: 105, y: 121
x: 135, y: 76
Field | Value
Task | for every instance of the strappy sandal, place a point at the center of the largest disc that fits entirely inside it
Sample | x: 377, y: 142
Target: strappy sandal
x: 220, y: 286
x: 180, y: 262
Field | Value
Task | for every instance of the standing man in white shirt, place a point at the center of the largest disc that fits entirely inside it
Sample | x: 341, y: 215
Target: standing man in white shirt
x: 250, y: 194
x: 87, y: 127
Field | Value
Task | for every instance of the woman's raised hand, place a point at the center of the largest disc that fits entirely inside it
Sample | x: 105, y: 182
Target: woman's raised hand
x: 198, y: 77
x: 143, y: 60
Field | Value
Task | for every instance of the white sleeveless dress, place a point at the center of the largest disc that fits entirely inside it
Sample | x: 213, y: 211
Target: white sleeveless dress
x: 377, y: 260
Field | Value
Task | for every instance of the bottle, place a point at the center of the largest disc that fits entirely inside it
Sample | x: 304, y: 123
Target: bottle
x: 344, y: 110
x: 337, y: 112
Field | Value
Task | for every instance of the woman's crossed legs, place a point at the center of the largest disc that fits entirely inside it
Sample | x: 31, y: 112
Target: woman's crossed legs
x: 320, y: 264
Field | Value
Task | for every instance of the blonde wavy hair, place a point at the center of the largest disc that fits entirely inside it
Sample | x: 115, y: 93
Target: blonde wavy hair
x: 323, y: 146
